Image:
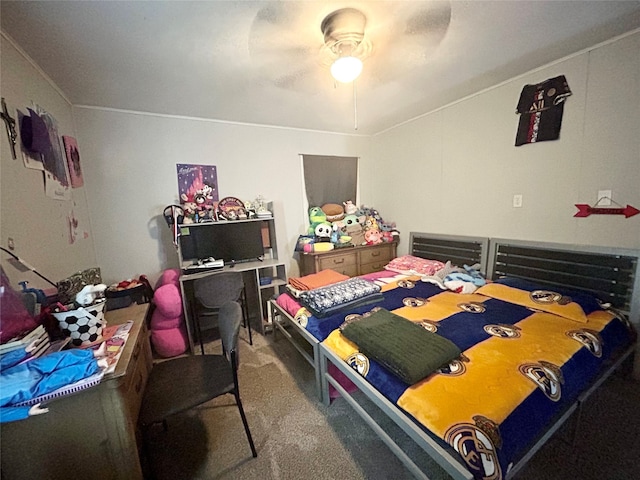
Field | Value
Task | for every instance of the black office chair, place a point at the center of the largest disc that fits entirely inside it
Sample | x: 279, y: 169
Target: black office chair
x: 213, y: 291
x: 182, y: 383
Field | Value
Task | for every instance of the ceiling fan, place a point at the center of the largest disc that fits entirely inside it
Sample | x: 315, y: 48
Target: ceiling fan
x: 345, y: 45
x: 295, y: 44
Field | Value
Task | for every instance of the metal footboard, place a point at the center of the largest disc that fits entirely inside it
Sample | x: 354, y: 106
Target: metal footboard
x: 449, y: 463
x: 282, y: 320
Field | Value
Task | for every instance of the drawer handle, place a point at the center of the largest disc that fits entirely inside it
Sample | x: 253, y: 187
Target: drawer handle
x: 337, y: 262
x: 375, y: 254
x: 136, y: 352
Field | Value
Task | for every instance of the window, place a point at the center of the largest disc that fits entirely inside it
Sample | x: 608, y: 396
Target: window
x: 329, y: 179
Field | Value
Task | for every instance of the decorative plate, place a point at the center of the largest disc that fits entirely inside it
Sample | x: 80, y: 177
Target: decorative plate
x: 230, y: 208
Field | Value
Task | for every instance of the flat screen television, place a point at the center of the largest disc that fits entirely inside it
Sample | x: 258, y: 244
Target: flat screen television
x: 229, y: 241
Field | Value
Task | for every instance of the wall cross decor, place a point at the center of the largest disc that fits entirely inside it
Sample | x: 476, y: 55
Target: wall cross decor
x: 10, y: 124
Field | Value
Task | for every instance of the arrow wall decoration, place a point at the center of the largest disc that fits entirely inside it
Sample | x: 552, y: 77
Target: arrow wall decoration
x: 585, y: 210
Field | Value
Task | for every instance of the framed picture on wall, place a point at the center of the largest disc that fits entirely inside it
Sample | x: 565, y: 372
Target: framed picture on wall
x: 73, y: 161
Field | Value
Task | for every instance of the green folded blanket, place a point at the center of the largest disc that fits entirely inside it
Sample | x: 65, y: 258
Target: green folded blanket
x: 405, y: 348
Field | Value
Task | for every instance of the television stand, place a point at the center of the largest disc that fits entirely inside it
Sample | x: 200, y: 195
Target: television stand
x: 261, y: 266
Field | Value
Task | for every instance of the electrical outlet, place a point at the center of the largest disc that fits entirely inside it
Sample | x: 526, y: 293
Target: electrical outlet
x: 517, y: 201
x: 604, y: 198
x: 11, y: 244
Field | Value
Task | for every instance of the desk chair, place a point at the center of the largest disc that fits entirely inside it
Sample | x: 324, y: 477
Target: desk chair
x: 182, y: 383
x: 213, y: 291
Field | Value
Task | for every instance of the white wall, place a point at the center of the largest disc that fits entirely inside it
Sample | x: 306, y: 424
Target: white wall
x: 456, y: 170
x: 451, y: 171
x: 37, y: 223
x: 130, y: 166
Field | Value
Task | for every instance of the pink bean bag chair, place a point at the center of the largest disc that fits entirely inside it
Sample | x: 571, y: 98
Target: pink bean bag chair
x: 168, y: 331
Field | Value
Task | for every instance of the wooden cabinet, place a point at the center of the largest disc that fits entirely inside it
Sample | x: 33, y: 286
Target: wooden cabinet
x: 90, y: 434
x: 351, y: 261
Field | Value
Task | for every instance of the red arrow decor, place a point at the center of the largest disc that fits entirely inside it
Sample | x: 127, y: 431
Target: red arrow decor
x: 585, y: 210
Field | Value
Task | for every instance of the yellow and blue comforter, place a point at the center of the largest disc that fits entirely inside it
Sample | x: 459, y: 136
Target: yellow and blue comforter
x: 527, y: 354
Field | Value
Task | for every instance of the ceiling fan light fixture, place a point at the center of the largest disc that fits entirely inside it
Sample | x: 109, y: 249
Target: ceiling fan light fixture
x: 343, y: 32
x: 346, y: 69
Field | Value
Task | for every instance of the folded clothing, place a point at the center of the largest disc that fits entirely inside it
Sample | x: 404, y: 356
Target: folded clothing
x: 401, y: 346
x: 288, y: 303
x: 411, y: 265
x: 317, y: 280
x: 349, y: 293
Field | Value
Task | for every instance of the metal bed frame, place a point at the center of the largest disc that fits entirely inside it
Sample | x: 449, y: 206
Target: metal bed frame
x: 618, y: 282
x: 457, y: 248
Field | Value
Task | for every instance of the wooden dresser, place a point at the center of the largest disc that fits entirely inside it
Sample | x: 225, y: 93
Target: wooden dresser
x: 351, y: 261
x: 91, y: 434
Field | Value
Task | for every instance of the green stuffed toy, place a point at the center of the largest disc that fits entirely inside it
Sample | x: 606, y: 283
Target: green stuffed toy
x: 316, y: 217
x: 353, y: 227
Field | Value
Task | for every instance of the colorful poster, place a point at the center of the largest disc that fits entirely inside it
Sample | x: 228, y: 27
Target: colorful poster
x: 198, y: 191
x: 73, y: 160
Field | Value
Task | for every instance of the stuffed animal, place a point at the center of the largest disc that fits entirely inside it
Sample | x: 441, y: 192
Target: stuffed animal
x: 357, y: 234
x: 373, y: 236
x: 351, y: 226
x: 349, y: 208
x: 373, y: 218
x: 316, y: 217
x: 323, y: 232
x: 459, y: 280
x: 318, y: 247
x: 337, y: 237
x: 333, y: 211
x: 168, y: 331
x: 389, y: 232
x: 198, y: 206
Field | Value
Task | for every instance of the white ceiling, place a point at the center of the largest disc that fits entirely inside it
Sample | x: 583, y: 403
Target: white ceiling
x: 259, y: 62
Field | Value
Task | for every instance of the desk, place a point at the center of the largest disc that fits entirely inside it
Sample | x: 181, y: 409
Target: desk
x: 91, y: 434
x: 256, y: 293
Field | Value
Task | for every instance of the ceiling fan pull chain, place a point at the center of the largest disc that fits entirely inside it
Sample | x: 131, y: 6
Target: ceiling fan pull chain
x: 355, y: 107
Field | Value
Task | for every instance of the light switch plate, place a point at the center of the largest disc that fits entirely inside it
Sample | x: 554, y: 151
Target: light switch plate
x: 517, y: 201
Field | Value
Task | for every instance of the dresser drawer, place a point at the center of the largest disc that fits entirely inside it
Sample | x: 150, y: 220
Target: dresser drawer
x: 379, y: 254
x: 132, y: 389
x: 372, y: 267
x: 348, y: 270
x: 353, y: 261
x: 337, y: 262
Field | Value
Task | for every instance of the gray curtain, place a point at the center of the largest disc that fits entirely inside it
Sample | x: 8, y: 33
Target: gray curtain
x: 330, y: 179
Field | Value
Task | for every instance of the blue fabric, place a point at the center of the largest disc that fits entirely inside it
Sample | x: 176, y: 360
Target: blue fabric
x: 525, y: 422
x: 588, y: 302
x: 13, y: 358
x: 44, y: 375
x: 325, y: 301
x: 321, y: 327
x: 12, y: 414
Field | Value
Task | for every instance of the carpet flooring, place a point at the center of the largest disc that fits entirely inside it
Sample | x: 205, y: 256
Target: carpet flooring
x: 299, y: 438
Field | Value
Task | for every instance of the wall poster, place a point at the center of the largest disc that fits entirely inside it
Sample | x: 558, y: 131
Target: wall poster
x: 73, y: 160
x: 198, y: 191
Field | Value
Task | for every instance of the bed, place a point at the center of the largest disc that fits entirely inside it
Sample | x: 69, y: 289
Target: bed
x: 305, y: 332
x: 555, y: 322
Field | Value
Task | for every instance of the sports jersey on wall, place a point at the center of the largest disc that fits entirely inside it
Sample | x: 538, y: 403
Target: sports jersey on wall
x: 540, y: 108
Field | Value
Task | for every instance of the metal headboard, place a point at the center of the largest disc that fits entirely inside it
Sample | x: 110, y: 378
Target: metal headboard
x: 611, y: 274
x: 459, y: 249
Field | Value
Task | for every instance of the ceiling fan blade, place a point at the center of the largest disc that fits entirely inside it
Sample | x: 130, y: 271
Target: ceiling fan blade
x: 407, y: 39
x: 282, y: 46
